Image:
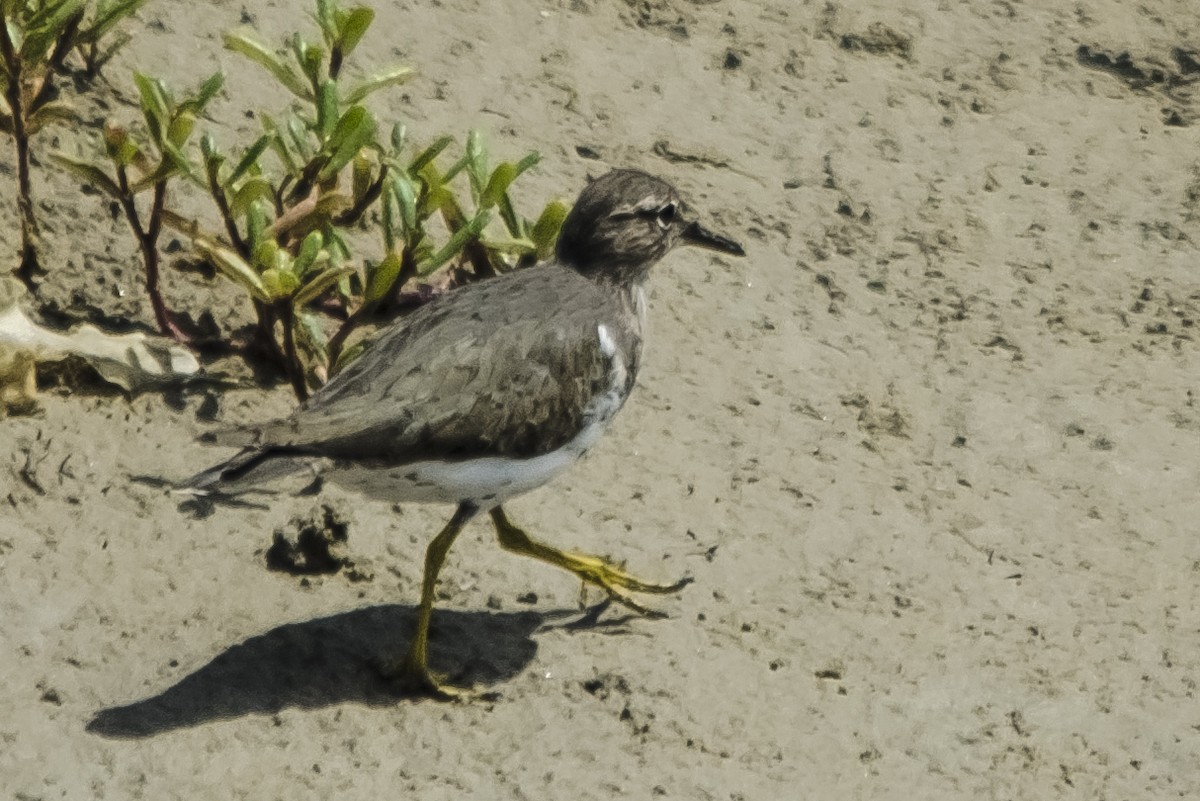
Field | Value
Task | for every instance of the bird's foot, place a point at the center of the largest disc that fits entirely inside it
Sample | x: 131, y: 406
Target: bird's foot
x: 617, y: 583
x: 414, y: 679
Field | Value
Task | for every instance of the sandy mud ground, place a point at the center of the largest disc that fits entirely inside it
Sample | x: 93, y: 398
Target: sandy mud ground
x: 930, y: 452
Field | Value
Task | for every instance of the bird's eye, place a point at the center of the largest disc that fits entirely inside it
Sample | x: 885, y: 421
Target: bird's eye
x: 667, y: 213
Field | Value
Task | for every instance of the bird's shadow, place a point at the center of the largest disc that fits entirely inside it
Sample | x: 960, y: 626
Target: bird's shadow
x: 327, y: 661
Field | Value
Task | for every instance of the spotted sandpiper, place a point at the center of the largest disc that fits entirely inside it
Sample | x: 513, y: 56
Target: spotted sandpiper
x: 490, y: 391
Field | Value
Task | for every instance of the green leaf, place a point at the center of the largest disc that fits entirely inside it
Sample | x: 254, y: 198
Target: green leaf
x: 399, y: 134
x: 327, y: 109
x: 207, y: 91
x: 476, y: 162
x: 39, y: 13
x: 517, y: 226
x: 406, y: 198
x: 250, y: 158
x: 309, y: 250
x: 257, y: 222
x: 165, y: 90
x: 44, y: 27
x: 531, y: 160
x: 279, y: 283
x: 50, y: 113
x: 393, y: 77
x: 438, y: 198
x: 325, y: 19
x: 355, y: 129
x: 279, y: 145
x: 347, y: 356
x: 387, y: 200
x: 255, y: 188
x: 260, y: 54
x: 181, y: 128
x: 339, y: 251
x: 502, y: 178
x: 299, y: 136
x: 351, y: 26
x: 323, y: 281
x: 515, y: 223
x: 545, y: 230
x: 180, y: 162
x: 108, y: 14
x: 266, y: 253
x: 513, y: 246
x: 311, y: 57
x: 208, y: 149
x: 155, y: 106
x: 160, y: 174
x: 429, y: 154
x: 360, y: 178
x: 232, y: 266
x: 383, y: 277
x: 308, y: 325
x: 457, y: 242
x: 89, y: 173
x: 455, y: 169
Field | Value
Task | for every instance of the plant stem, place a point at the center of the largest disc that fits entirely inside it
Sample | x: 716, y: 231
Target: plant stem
x: 66, y: 43
x: 28, y: 266
x: 218, y: 196
x: 264, y: 332
x: 333, y: 351
x: 148, y: 242
x: 266, y: 315
x: 335, y: 61
x: 150, y: 256
x: 353, y: 214
x: 295, y: 370
x: 336, y: 342
x: 476, y: 253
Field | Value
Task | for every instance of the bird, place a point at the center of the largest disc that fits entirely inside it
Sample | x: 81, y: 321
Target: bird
x: 488, y: 392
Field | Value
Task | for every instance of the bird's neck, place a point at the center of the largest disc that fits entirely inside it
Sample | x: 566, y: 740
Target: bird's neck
x: 622, y: 273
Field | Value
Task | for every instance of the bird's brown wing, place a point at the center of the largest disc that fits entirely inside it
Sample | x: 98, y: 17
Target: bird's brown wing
x: 503, y: 367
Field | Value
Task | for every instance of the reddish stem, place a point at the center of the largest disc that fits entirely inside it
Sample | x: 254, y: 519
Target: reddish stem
x: 148, y: 242
x: 28, y: 266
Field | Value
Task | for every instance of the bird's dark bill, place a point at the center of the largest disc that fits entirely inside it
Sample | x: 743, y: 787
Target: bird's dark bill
x: 697, y: 234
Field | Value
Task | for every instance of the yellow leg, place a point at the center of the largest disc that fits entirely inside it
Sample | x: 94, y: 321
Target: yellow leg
x: 590, y: 569
x: 413, y: 670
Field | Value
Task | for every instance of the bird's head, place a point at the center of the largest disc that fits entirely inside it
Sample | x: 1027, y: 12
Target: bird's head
x: 625, y: 221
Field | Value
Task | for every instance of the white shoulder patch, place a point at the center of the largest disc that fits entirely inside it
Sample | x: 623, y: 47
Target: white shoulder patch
x: 608, y: 345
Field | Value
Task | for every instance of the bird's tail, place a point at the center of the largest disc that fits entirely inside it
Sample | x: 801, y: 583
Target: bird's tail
x: 255, y: 469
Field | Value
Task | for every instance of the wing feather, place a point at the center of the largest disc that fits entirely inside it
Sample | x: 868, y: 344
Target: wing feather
x: 492, y: 367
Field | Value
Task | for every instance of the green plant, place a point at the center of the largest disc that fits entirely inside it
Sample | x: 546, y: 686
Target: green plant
x: 91, y: 42
x: 148, y: 165
x: 284, y: 225
x: 289, y: 202
x: 37, y: 40
x: 293, y: 204
x: 415, y: 192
